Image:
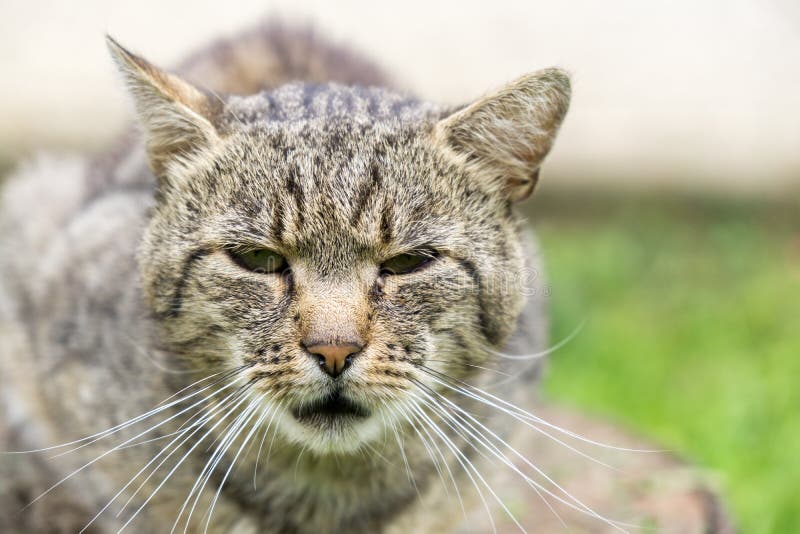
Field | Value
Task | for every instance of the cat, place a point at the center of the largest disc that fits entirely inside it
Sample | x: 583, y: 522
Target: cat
x: 278, y: 308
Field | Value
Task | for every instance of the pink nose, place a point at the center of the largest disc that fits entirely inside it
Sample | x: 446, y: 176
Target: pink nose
x: 334, y: 357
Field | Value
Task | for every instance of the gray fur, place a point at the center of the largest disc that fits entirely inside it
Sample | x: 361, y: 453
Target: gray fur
x: 118, y: 289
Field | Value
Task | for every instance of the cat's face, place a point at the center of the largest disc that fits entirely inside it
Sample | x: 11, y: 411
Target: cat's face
x: 291, y: 236
x: 336, y: 242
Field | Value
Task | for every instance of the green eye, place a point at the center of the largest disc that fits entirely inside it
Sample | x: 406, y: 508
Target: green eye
x: 409, y: 262
x: 260, y: 260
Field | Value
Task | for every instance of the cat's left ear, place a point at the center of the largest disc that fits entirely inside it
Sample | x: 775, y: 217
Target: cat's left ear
x: 179, y: 119
x: 504, y: 137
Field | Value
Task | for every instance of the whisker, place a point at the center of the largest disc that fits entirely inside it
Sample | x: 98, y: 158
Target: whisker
x: 405, y: 462
x: 526, y: 423
x: 147, y: 356
x: 449, y: 422
x: 428, y: 449
x: 210, y: 466
x: 232, y: 401
x: 247, y: 438
x: 130, y: 422
x: 272, y: 443
x: 220, y: 436
x: 261, y: 444
x: 543, y: 353
x: 385, y: 426
x: 116, y: 496
x: 374, y: 451
x: 297, y: 461
x: 518, y: 413
x: 172, y: 471
x: 223, y: 103
x: 444, y: 461
x: 469, y: 469
x: 466, y: 423
x: 226, y: 374
x: 535, y: 488
x: 189, y: 423
x: 475, y: 366
x: 114, y: 449
x: 433, y: 457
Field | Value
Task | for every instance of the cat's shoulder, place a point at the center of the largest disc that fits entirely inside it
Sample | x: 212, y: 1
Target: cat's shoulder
x: 63, y: 239
x: 41, y: 196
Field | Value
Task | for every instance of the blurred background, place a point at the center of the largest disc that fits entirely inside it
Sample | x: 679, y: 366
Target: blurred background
x: 669, y: 210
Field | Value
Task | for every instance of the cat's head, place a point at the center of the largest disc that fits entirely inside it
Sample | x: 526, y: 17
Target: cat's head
x: 334, y: 240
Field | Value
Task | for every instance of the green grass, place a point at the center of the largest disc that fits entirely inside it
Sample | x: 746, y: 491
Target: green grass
x: 692, y: 334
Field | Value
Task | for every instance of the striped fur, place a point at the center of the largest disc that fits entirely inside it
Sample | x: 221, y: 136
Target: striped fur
x: 119, y: 290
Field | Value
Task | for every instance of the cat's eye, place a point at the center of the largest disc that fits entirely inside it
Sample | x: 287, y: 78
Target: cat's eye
x: 260, y: 260
x: 408, y: 262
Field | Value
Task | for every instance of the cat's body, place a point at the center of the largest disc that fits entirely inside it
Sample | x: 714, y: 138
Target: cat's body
x: 98, y: 328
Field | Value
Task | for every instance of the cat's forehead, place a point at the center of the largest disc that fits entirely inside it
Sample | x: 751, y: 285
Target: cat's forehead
x: 334, y: 158
x: 336, y: 189
x: 297, y: 102
x: 311, y: 166
x: 330, y: 135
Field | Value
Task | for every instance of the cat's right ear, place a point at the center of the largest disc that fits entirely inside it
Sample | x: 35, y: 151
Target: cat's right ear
x: 504, y: 137
x: 179, y: 119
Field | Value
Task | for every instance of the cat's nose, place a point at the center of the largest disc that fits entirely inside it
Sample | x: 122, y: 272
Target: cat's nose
x: 334, y: 357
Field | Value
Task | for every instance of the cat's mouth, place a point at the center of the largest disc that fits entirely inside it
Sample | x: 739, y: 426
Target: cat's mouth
x: 326, y: 409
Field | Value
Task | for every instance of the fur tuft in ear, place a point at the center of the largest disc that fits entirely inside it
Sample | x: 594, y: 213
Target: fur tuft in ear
x: 178, y: 118
x: 505, y: 136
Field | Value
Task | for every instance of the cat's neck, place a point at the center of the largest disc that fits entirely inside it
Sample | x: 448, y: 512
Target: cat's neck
x: 354, y: 492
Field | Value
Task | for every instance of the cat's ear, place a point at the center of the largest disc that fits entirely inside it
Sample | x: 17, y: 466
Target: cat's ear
x: 506, y: 135
x: 177, y: 117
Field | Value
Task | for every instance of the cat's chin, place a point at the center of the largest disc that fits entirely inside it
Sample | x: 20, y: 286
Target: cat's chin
x: 335, y: 425
x: 330, y: 411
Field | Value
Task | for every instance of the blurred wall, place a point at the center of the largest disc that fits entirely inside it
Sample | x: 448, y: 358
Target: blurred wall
x: 673, y: 94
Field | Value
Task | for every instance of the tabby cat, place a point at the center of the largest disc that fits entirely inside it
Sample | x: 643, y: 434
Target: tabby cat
x: 296, y: 302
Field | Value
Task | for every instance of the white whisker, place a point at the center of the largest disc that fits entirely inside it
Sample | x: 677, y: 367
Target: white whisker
x: 468, y: 423
x: 114, y: 449
x: 130, y: 422
x: 541, y: 354
x: 405, y: 462
x: 245, y: 441
x: 444, y: 461
x: 116, y: 496
x: 229, y: 401
x: 261, y: 444
x: 210, y: 465
x: 177, y: 465
x: 469, y: 469
x: 524, y: 416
